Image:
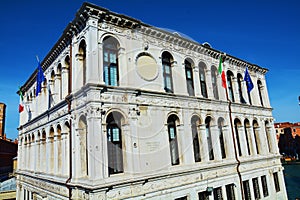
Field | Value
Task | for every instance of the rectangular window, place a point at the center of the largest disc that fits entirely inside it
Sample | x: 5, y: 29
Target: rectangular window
x: 247, y: 192
x: 276, y: 181
x: 203, y: 195
x: 256, y: 188
x: 218, y: 193
x: 230, y: 192
x: 264, y: 186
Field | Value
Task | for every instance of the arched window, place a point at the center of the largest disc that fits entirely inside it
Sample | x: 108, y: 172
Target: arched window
x: 267, y: 132
x: 229, y: 85
x: 114, y: 143
x: 189, y: 78
x: 173, y: 121
x: 67, y: 66
x: 196, y: 146
x: 202, y: 68
x: 209, y: 138
x: 240, y: 80
x: 82, y: 61
x: 256, y: 136
x: 59, y: 85
x: 246, y: 126
x: 260, y: 90
x: 237, y: 124
x: 221, y: 137
x: 51, y: 139
x: 167, y: 60
x: 50, y: 89
x: 110, y: 61
x: 82, y: 129
x: 214, y: 74
x: 43, y: 155
x: 59, y: 149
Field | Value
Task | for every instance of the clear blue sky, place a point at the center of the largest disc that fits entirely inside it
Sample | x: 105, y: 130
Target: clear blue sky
x: 264, y: 32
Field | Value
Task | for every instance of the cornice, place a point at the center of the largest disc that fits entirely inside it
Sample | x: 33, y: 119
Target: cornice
x: 88, y: 10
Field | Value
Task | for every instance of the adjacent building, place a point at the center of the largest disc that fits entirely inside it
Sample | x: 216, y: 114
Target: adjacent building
x: 131, y: 111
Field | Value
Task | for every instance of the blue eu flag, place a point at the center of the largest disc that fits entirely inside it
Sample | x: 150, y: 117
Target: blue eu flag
x: 39, y: 79
x: 248, y: 80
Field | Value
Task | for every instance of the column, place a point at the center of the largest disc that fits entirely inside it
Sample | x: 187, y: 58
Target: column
x: 243, y: 142
x: 271, y: 139
x: 252, y: 144
x: 92, y: 58
x: 42, y: 154
x: 56, y: 93
x: 95, y: 162
x: 64, y: 154
x: 245, y: 92
x: 196, y: 78
x: 235, y: 90
x: 123, y: 68
x: 33, y: 155
x: 228, y: 140
x: 224, y: 195
x: 203, y: 144
x: 251, y: 189
x: 55, y: 156
x: 38, y: 155
x: 210, y: 92
x: 263, y: 139
x: 216, y: 142
x: 65, y: 80
x: 130, y: 137
x: 185, y: 139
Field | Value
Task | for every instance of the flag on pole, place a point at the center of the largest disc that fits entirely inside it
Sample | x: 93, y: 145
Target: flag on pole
x: 39, y: 79
x: 221, y: 71
x: 21, y: 104
x: 248, y: 80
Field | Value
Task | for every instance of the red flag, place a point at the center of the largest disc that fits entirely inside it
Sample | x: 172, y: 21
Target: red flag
x: 223, y: 79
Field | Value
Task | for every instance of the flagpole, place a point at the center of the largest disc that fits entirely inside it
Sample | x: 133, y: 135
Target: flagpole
x: 233, y: 136
x: 37, y: 58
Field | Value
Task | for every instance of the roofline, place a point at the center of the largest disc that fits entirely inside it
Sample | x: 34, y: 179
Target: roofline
x: 89, y: 9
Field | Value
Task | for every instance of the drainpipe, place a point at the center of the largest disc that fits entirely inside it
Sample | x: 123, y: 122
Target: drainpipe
x: 234, y: 144
x: 70, y: 123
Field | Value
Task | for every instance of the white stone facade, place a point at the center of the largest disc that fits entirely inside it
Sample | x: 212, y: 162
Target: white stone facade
x: 129, y: 111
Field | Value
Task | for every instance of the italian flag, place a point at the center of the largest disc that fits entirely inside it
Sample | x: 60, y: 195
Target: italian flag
x: 21, y: 104
x: 221, y: 71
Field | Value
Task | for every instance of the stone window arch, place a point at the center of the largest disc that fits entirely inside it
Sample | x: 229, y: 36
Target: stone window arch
x: 221, y: 124
x: 59, y: 81
x: 230, y: 78
x: 189, y: 77
x: 237, y: 124
x: 114, y: 122
x: 256, y: 136
x: 260, y: 92
x: 214, y: 81
x: 68, y: 81
x: 268, y: 136
x: 82, y: 63
x: 167, y: 61
x: 195, y: 122
x: 202, y: 76
x: 240, y: 88
x: 83, y: 133
x: 59, y: 148
x: 173, y: 122
x: 208, y: 123
x: 51, y: 155
x: 247, y: 135
x: 110, y: 61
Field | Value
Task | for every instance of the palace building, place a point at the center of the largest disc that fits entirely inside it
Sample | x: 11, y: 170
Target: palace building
x: 131, y: 111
